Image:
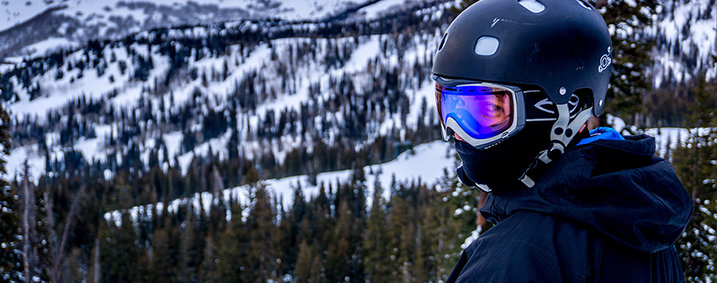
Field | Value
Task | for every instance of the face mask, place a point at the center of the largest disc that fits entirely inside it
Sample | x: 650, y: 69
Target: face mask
x: 499, y: 167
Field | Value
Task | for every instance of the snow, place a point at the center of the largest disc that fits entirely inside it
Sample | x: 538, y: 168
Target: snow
x: 117, y: 18
x: 683, y: 28
x: 255, y: 61
x: 378, y: 9
x: 616, y: 123
x: 363, y: 53
x: 173, y: 141
x: 217, y: 145
x: 14, y: 12
x: 58, y: 93
x: 668, y: 138
x: 44, y: 47
x: 92, y: 149
x: 16, y: 160
x: 425, y: 163
x: 472, y: 237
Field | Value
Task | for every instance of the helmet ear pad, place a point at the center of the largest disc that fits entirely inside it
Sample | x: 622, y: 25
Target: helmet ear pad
x: 501, y: 165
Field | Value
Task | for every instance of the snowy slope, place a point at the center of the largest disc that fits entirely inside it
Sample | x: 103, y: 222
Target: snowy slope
x: 122, y: 92
x: 28, y: 28
x: 31, y: 28
x: 685, y: 30
x: 16, y: 12
x: 686, y: 33
x: 425, y: 163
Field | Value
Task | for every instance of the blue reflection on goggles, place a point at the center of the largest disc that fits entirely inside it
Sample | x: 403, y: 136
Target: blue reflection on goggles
x: 481, y: 111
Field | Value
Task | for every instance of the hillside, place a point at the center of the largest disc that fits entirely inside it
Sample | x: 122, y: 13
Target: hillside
x: 272, y: 140
x: 33, y: 28
x: 259, y: 91
x: 280, y: 95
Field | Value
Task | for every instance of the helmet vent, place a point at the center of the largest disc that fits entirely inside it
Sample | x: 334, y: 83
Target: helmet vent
x: 486, y: 46
x: 585, y: 5
x: 443, y: 42
x: 532, y: 5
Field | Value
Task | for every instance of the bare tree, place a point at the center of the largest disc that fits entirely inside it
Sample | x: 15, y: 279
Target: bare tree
x: 97, y: 268
x: 59, y: 249
x: 28, y: 223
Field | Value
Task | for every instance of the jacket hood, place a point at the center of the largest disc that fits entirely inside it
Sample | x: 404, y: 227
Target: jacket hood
x: 616, y: 187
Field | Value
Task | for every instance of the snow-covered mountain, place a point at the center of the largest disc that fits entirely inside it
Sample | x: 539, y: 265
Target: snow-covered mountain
x: 685, y: 30
x: 18, y: 12
x: 34, y: 27
x: 276, y: 94
x: 165, y: 12
x: 290, y: 97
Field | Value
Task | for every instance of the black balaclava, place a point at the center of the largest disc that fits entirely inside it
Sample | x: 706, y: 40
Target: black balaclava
x: 500, y: 166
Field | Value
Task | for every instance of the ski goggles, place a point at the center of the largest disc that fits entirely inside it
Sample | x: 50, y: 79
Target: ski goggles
x: 479, y: 113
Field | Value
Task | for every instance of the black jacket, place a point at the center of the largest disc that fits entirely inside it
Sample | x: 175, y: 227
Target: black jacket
x: 608, y: 211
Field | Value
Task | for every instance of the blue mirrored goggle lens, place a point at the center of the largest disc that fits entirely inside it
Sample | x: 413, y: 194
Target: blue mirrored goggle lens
x: 481, y: 111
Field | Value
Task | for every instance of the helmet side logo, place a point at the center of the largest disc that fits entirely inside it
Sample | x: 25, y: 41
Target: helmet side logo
x: 543, y: 104
x: 605, y: 60
x: 548, y: 106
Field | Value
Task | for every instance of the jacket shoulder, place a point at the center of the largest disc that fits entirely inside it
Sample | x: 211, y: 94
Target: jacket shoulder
x: 527, y: 247
x: 535, y: 247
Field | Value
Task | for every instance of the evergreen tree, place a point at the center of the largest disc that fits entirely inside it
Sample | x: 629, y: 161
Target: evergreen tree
x: 400, y: 236
x: 191, y: 248
x: 11, y: 267
x: 121, y: 256
x: 435, y: 246
x: 376, y: 239
x: 304, y: 261
x: 695, y: 165
x: 291, y: 228
x: 630, y: 54
x: 208, y: 271
x: 27, y: 197
x: 232, y: 250
x: 262, y: 234
x: 165, y: 256
x: 339, y: 250
x: 10, y: 256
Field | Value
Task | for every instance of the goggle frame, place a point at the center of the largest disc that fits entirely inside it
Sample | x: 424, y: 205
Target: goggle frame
x: 518, y: 113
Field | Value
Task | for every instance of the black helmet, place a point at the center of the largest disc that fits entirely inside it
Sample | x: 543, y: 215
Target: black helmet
x: 561, y: 47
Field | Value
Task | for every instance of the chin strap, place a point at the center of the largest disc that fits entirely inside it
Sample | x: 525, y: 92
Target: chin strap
x: 561, y: 134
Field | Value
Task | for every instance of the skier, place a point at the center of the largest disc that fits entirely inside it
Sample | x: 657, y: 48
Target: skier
x: 516, y: 82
